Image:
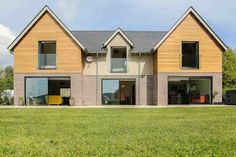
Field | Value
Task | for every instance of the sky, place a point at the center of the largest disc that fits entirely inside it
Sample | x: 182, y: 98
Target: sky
x: 157, y: 15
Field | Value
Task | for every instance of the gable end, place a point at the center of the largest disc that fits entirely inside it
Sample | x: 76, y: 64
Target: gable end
x: 35, y: 20
x: 192, y: 11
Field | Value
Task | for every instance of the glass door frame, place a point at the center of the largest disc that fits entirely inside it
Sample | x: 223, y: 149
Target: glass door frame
x: 45, y: 77
x: 119, y: 80
x: 188, y: 83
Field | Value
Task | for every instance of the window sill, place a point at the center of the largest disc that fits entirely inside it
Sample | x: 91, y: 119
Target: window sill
x: 189, y: 68
x: 118, y: 72
x: 47, y: 68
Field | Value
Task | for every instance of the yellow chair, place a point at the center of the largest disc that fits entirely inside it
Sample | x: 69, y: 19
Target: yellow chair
x: 54, y: 100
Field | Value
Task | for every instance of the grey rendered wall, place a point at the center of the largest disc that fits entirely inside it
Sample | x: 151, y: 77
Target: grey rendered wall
x: 154, y: 89
x: 19, y: 84
x: 146, y: 90
x: 89, y: 90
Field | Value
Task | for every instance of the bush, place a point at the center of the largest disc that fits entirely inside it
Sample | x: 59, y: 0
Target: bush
x: 6, y: 98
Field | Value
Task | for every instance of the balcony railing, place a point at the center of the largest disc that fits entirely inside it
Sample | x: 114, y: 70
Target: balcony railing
x: 47, y: 61
x: 118, y: 65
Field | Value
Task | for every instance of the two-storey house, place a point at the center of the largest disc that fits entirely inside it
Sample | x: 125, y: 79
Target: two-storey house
x: 179, y: 66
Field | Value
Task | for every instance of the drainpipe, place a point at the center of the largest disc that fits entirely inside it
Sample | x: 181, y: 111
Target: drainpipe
x: 96, y: 78
x: 139, y: 59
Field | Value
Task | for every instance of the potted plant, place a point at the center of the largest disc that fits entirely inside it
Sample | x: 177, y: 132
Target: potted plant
x: 215, y: 93
x: 21, y: 101
x: 72, y: 101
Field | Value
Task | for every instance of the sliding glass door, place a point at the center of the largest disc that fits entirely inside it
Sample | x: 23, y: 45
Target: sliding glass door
x: 189, y: 90
x: 39, y: 90
x: 118, y: 92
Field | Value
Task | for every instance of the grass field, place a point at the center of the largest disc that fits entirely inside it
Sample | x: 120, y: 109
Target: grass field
x: 118, y: 132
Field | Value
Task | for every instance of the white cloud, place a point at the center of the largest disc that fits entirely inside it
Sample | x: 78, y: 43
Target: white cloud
x: 6, y: 33
x: 6, y: 37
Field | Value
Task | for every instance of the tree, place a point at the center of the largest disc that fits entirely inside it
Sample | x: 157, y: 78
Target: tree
x: 2, y: 85
x: 6, y: 83
x: 229, y: 69
x: 8, y: 75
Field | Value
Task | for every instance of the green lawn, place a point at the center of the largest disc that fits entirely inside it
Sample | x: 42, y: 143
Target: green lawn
x: 228, y: 88
x: 118, y: 132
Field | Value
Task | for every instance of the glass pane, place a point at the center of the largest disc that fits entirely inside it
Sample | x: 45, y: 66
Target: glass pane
x: 118, y: 60
x: 36, y: 91
x: 47, y: 54
x: 190, y: 55
x: 110, y: 92
x: 200, y: 90
x: 47, y: 60
x: 118, y: 64
x: 118, y: 53
x: 47, y: 47
x: 127, y: 92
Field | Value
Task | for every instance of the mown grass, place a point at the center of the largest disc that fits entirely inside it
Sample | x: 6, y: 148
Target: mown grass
x: 118, y: 132
x: 228, y: 89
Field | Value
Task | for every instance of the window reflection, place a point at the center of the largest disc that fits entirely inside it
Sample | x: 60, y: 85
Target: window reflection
x: 110, y: 93
x: 36, y: 91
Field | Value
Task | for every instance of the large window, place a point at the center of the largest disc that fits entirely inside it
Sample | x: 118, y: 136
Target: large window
x: 47, y: 55
x: 189, y: 90
x: 38, y: 90
x: 118, y: 59
x: 190, y: 54
x: 116, y: 92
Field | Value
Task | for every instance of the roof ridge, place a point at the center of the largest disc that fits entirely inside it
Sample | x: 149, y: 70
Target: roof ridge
x: 92, y: 30
x: 144, y: 31
x: 113, y: 31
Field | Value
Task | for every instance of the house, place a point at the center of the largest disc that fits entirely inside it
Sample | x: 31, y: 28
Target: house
x: 179, y: 66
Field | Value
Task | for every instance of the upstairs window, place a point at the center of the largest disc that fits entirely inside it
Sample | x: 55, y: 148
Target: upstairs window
x: 47, y: 55
x: 190, y: 55
x: 118, y: 59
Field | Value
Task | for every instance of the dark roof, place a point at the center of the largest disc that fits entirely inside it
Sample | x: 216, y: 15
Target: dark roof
x: 143, y: 41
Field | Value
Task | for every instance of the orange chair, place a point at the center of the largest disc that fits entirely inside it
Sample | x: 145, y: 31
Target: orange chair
x: 54, y: 100
x: 201, y: 99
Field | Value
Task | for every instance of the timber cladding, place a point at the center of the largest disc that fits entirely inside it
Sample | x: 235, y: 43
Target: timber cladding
x: 68, y: 53
x: 169, y: 53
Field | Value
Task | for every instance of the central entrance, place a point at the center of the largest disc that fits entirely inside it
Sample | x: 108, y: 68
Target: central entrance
x: 118, y: 92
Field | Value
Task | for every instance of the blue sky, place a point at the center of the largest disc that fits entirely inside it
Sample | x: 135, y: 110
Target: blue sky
x: 110, y: 14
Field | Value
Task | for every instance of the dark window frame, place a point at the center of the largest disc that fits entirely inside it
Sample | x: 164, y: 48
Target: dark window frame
x: 40, y: 52
x: 111, y: 51
x: 118, y: 79
x: 196, y: 64
x: 47, y: 77
x: 196, y: 77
